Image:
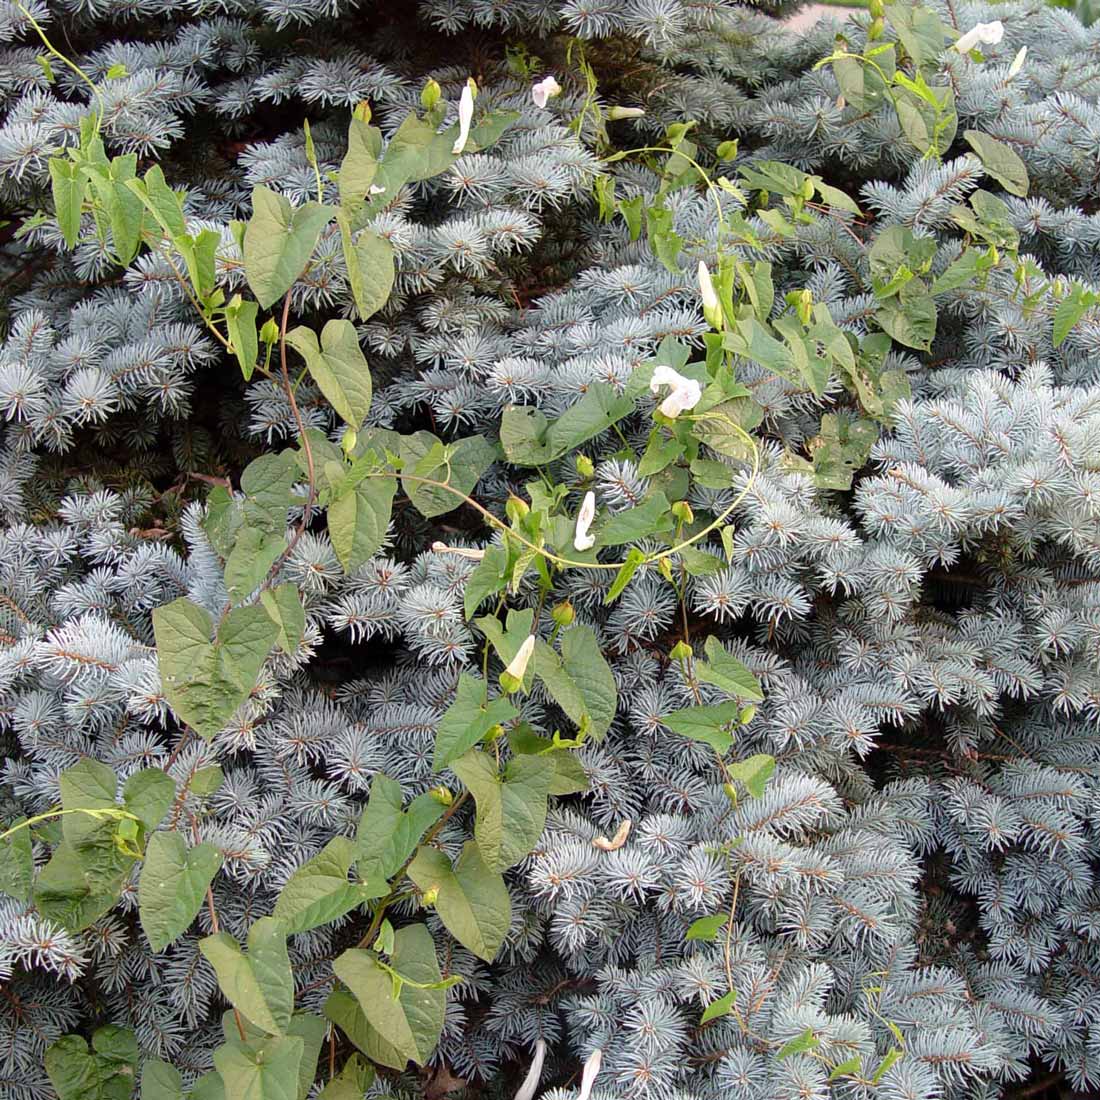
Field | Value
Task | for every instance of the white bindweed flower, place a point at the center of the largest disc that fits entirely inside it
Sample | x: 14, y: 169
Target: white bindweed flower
x: 458, y: 551
x: 712, y: 308
x: 545, y: 90
x: 531, y: 1081
x: 981, y: 34
x: 517, y: 666
x: 588, y: 1077
x: 582, y: 540
x: 1017, y: 62
x: 465, y: 116
x: 685, y: 391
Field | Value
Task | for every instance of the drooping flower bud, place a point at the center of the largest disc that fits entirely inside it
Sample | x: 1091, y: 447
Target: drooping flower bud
x: 465, y: 115
x: 582, y: 540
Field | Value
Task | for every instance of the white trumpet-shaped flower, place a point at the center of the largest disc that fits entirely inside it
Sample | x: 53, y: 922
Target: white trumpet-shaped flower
x: 588, y: 1077
x: 545, y: 90
x: 582, y: 540
x: 511, y: 678
x: 531, y: 1081
x: 981, y: 34
x: 685, y: 391
x: 465, y: 116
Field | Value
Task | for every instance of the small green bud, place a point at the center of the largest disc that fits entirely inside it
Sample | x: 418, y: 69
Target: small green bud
x: 269, y: 331
x: 664, y: 567
x: 362, y: 111
x: 616, y: 113
x: 681, y: 651
x: 747, y: 715
x: 515, y: 508
x: 682, y: 511
x: 731, y: 792
x: 442, y: 795
x: 727, y: 150
x: 431, y: 896
x: 585, y: 466
x: 877, y: 9
x: 350, y: 438
x: 430, y: 96
x: 874, y: 31
x: 495, y: 733
x: 563, y: 613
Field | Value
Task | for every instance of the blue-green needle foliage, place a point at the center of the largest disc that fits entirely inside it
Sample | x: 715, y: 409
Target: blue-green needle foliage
x: 886, y: 540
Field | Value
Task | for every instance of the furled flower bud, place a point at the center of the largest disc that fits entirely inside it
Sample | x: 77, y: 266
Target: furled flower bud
x: 465, y: 115
x: 442, y: 795
x: 269, y: 331
x: 511, y: 679
x: 585, y: 466
x: 545, y: 90
x: 615, y: 113
x: 712, y: 308
x: 747, y: 715
x: 681, y: 651
x: 685, y: 394
x: 1017, y: 62
x: 588, y: 1077
x: 985, y: 34
x: 682, y: 511
x: 531, y: 1082
x: 582, y: 540
x: 431, y: 94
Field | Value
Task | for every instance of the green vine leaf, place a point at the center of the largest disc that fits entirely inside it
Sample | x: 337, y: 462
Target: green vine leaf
x: 103, y: 1072
x: 338, y: 366
x: 283, y: 605
x: 580, y: 680
x: 172, y: 886
x: 706, y: 723
x: 511, y: 808
x: 206, y: 681
x: 319, y: 891
x: 471, y: 898
x: 358, y: 519
x: 724, y: 670
x: 459, y: 464
x: 260, y: 984
x: 387, y: 833
x: 16, y: 862
x: 1000, y: 161
x: 266, y: 1070
x: 411, y: 1022
x: 468, y: 719
x: 279, y: 241
x: 160, y: 1081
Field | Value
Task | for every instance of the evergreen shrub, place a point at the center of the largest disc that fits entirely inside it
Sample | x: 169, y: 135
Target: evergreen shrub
x: 551, y: 549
